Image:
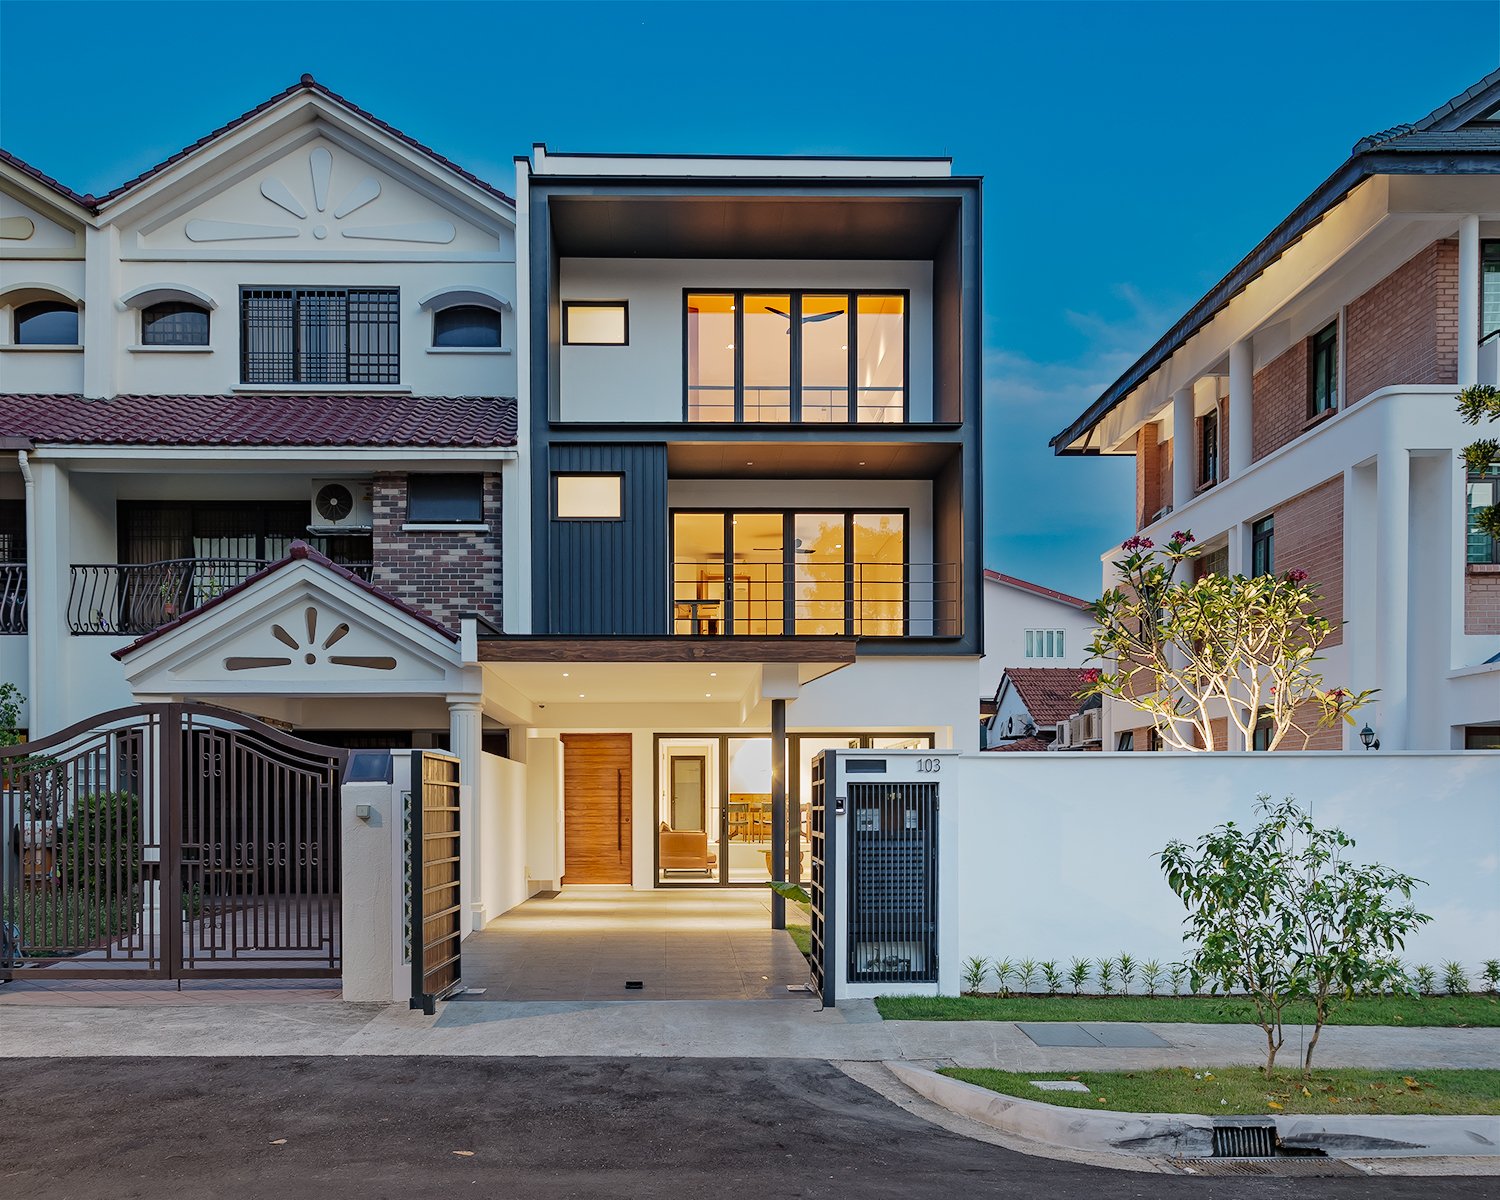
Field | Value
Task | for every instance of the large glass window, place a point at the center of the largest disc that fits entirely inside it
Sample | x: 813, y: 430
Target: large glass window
x: 46, y: 323
x: 819, y: 567
x: 880, y: 582
x: 320, y: 335
x: 758, y: 542
x: 796, y: 356
x: 1323, y: 385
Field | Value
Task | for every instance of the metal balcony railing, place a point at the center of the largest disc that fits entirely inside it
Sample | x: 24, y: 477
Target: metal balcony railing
x: 858, y: 599
x: 820, y: 405
x: 135, y: 598
x: 12, y: 597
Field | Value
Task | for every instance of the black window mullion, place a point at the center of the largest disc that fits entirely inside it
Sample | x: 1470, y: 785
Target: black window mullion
x: 788, y: 573
x: 850, y: 569
x: 851, y: 402
x: 296, y: 337
x: 739, y: 357
x: 729, y: 626
x: 794, y: 331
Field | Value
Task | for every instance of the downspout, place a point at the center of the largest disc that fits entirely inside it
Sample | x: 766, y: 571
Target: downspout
x: 33, y: 671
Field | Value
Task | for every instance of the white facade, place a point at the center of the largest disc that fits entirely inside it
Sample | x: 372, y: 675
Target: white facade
x: 1012, y: 609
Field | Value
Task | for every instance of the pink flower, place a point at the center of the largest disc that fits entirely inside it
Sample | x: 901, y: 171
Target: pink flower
x: 1184, y: 537
x: 1091, y: 675
x: 1297, y: 575
x: 1137, y: 543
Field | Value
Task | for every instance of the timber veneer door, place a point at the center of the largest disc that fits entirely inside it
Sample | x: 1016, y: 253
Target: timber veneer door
x: 596, y: 808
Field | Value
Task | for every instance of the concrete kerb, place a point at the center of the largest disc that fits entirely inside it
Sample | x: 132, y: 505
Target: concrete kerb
x: 1187, y: 1135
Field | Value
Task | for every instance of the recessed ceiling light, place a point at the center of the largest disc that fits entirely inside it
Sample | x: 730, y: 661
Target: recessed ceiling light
x: 861, y: 462
x: 580, y: 695
x: 729, y: 346
x: 713, y: 674
x: 565, y: 674
x: 708, y: 695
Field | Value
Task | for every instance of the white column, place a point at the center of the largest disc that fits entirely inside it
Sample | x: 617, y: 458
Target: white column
x: 101, y: 272
x: 1392, y: 518
x: 1468, y: 301
x: 47, y: 601
x: 1241, y: 405
x: 1184, y: 428
x: 465, y: 726
x: 1237, y: 555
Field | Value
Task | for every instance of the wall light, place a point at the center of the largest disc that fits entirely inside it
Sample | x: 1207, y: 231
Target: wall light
x: 1367, y: 736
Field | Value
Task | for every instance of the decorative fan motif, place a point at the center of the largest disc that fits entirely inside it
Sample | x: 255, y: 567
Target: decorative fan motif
x: 320, y: 165
x: 310, y: 650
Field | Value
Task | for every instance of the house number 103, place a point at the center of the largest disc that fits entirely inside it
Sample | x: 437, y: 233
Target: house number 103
x: 929, y: 766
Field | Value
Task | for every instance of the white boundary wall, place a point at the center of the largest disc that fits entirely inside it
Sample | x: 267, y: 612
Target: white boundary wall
x: 1048, y: 856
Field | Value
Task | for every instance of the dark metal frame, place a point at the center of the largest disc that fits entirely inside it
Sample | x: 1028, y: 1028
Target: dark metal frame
x: 294, y: 295
x: 210, y: 847
x: 434, y: 858
x: 887, y: 916
x: 552, y: 488
x: 1323, y: 347
x: 178, y: 308
x: 822, y: 883
x: 623, y: 305
x: 794, y: 365
x: 1208, y: 464
x: 1263, y: 533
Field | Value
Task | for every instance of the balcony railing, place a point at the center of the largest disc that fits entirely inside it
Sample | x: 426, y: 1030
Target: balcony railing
x: 816, y: 599
x: 134, y: 598
x: 12, y: 597
x: 820, y: 405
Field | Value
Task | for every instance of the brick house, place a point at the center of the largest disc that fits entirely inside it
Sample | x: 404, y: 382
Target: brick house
x: 1301, y: 415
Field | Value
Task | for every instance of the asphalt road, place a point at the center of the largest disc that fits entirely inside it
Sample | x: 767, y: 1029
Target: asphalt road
x: 530, y: 1129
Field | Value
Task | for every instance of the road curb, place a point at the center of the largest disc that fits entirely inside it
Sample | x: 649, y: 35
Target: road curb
x: 1188, y: 1135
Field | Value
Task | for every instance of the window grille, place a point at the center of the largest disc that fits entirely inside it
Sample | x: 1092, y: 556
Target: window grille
x: 320, y: 335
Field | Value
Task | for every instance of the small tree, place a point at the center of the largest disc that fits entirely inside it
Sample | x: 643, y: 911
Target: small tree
x: 10, y: 715
x: 1482, y: 457
x: 1188, y: 652
x: 1277, y: 912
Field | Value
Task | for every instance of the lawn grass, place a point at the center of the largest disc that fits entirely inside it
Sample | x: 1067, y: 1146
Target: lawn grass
x: 1443, y: 1011
x: 802, y: 935
x: 1242, y: 1090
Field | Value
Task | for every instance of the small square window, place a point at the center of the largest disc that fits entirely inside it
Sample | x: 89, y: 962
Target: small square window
x: 445, y: 499
x: 596, y: 323
x: 1263, y: 546
x: 1126, y: 741
x: 589, y: 497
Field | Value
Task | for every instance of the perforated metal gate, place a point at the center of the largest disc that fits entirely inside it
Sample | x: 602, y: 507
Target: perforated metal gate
x: 892, y: 847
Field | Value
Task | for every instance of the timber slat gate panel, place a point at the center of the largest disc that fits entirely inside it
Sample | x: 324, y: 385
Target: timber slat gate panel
x: 437, y: 911
x: 824, y: 844
x: 169, y: 841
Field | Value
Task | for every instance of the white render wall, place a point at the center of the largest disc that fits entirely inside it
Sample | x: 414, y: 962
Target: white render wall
x: 1009, y: 612
x: 1048, y: 856
x: 644, y: 380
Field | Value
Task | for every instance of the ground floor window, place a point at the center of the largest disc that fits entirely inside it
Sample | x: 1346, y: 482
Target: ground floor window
x: 1482, y: 737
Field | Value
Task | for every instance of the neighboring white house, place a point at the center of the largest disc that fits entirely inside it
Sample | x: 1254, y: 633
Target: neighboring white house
x: 1029, y: 625
x: 1301, y: 415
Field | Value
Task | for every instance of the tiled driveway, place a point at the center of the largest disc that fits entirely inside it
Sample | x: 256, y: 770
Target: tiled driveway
x: 681, y: 944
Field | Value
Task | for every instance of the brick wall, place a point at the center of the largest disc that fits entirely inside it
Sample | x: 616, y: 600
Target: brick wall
x: 1310, y: 536
x: 1224, y: 438
x: 1482, y: 599
x: 1279, y: 400
x: 443, y: 573
x: 1405, y: 328
x: 1148, y: 475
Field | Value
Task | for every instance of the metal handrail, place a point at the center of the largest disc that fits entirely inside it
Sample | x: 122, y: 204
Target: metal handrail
x: 132, y: 599
x: 863, y: 599
x: 12, y: 597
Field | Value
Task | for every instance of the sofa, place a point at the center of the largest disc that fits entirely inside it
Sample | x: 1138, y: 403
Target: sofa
x: 686, y: 850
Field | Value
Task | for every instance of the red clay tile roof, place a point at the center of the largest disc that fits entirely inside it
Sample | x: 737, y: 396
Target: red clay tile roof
x: 1050, y: 694
x: 1020, y: 744
x: 257, y: 419
x: 46, y: 180
x: 1037, y: 589
x: 297, y: 552
x: 306, y: 83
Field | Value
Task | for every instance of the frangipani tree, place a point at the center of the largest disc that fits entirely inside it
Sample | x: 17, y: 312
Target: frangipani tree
x: 1232, y: 647
x: 1476, y: 403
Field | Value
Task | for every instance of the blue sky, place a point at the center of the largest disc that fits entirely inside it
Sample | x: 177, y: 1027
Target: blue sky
x: 1132, y: 152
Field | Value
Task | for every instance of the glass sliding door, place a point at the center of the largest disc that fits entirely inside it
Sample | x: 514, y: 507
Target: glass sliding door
x: 768, y: 357
x: 819, y: 573
x: 688, y: 810
x: 759, y: 573
x: 825, y: 359
x: 879, y: 574
x: 698, y: 569
x: 880, y: 369
x: 747, y: 816
x: 710, y: 356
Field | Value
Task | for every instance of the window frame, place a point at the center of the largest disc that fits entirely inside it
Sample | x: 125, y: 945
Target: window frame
x: 1492, y: 477
x: 390, y: 295
x: 794, y: 394
x: 52, y: 304
x: 1323, y: 350
x: 1208, y: 463
x: 414, y: 478
x: 1125, y: 741
x: 438, y: 313
x: 1263, y: 537
x: 1489, y: 252
x: 182, y: 306
x: 1040, y: 638
x: 553, y: 487
x: 622, y: 305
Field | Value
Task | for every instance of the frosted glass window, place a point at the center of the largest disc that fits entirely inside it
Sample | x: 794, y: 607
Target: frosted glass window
x: 589, y: 497
x: 596, y: 324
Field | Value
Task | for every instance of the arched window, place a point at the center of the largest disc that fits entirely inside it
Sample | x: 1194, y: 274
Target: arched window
x: 47, y: 323
x: 466, y: 325
x: 174, y: 323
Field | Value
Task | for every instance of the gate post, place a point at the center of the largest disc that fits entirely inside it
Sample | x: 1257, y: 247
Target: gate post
x: 170, y: 729
x: 368, y: 925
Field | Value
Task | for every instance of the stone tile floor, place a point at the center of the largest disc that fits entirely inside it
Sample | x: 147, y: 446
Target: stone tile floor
x: 32, y: 988
x: 680, y: 943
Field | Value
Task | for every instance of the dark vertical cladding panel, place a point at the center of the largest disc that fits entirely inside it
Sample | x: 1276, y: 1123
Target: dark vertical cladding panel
x: 611, y: 577
x: 971, y: 483
x: 948, y: 522
x: 947, y: 325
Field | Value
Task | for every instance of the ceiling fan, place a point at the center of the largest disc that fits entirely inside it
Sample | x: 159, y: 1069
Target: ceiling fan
x: 815, y: 317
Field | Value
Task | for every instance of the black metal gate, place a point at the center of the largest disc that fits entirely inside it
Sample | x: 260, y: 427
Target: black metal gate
x: 436, y: 903
x: 824, y: 849
x: 893, y: 901
x: 170, y: 841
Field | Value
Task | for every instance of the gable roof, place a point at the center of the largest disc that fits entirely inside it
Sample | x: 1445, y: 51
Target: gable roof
x: 1050, y: 694
x: 41, y: 177
x: 1024, y: 745
x: 1036, y: 589
x: 381, y: 419
x: 1440, y: 143
x: 306, y: 84
x: 298, y: 552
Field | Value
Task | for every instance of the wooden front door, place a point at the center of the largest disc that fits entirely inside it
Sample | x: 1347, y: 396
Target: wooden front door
x: 596, y: 808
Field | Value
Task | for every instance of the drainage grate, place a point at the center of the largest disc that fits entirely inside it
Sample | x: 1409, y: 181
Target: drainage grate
x: 1279, y: 1167
x: 1244, y: 1141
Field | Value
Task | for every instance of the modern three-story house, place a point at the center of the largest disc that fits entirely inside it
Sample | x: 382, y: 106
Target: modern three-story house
x: 1302, y: 416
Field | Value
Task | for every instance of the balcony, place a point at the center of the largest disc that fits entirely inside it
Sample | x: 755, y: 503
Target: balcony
x: 12, y: 598
x: 859, y: 599
x: 132, y: 599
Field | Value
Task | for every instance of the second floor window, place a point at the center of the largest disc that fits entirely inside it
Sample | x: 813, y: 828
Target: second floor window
x: 1045, y: 643
x: 1208, y: 449
x: 1489, y: 317
x: 1263, y: 546
x: 174, y: 324
x: 1484, y: 490
x: 1323, y: 383
x: 320, y: 335
x: 824, y: 357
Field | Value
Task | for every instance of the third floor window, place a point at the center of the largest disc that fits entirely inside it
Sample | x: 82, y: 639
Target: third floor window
x: 320, y: 335
x: 1490, y: 272
x: 824, y: 357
